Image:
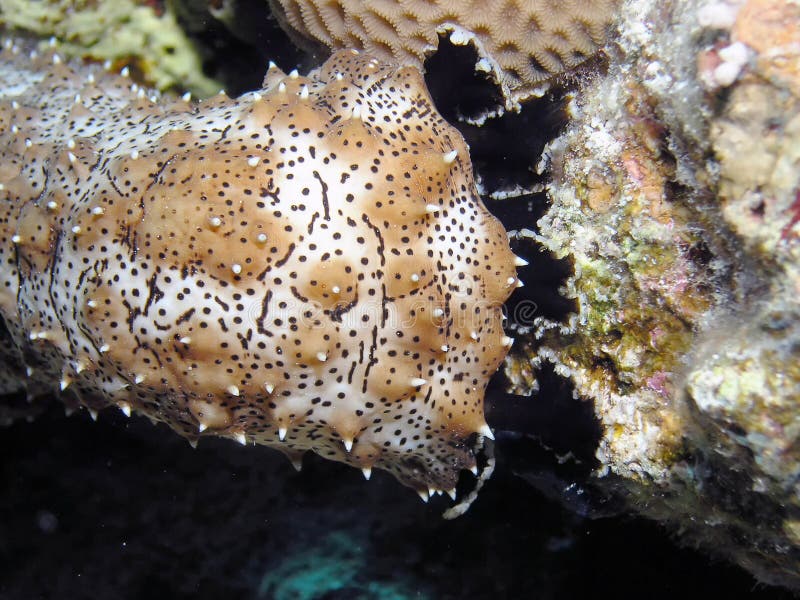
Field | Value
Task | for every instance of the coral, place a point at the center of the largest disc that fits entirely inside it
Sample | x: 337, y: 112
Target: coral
x: 522, y: 43
x: 124, y: 32
x: 307, y: 267
x: 675, y: 194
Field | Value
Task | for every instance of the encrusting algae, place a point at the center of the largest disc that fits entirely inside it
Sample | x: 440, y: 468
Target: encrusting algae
x: 674, y: 194
x: 308, y: 266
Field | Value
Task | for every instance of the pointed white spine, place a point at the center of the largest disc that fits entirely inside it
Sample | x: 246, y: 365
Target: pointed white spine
x: 281, y: 433
x: 367, y: 471
x: 449, y: 157
x: 418, y: 382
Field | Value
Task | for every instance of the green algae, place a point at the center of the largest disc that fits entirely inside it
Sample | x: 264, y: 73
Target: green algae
x: 123, y: 32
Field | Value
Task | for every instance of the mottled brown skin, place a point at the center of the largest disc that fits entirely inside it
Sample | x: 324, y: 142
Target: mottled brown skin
x: 307, y: 267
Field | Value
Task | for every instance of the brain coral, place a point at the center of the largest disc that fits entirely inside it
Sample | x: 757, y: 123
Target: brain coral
x: 308, y: 266
x: 523, y: 43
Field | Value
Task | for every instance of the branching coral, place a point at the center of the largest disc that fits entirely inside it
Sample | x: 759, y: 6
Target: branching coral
x: 307, y: 267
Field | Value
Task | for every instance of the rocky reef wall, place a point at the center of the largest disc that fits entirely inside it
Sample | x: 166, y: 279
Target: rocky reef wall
x: 674, y: 193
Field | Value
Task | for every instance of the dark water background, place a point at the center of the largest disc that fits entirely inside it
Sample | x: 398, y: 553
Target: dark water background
x: 123, y: 509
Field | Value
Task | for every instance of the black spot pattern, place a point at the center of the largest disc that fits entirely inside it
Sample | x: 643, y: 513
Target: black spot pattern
x: 307, y: 266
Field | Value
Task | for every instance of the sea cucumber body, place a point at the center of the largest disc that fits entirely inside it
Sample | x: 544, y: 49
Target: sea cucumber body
x: 307, y: 266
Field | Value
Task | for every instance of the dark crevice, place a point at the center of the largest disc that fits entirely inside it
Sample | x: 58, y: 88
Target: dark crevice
x: 237, y: 53
x: 552, y: 415
x: 452, y: 69
x: 550, y: 439
x: 505, y: 149
x: 544, y: 276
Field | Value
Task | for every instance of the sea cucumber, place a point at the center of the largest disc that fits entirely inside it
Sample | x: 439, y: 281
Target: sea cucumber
x: 308, y: 266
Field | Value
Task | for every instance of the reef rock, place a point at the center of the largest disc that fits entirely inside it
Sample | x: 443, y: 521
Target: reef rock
x: 308, y: 266
x: 675, y: 193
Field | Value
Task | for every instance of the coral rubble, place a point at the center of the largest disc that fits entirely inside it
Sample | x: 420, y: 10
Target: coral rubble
x: 521, y: 43
x: 307, y: 267
x: 675, y: 193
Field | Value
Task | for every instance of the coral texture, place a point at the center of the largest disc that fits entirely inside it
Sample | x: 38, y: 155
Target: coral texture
x: 523, y: 43
x: 675, y: 194
x: 124, y: 32
x: 308, y: 266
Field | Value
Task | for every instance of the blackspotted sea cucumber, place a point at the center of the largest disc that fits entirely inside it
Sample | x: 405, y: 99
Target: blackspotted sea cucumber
x: 308, y: 266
